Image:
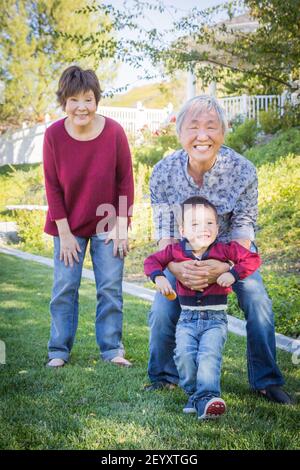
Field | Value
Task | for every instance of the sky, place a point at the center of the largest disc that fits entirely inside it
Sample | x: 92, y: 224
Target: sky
x: 127, y: 74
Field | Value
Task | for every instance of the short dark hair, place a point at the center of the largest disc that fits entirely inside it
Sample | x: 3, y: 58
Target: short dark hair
x: 196, y: 201
x: 75, y: 80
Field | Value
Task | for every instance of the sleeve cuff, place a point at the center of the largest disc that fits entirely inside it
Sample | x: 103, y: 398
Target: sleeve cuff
x: 245, y: 233
x: 235, y: 274
x: 155, y: 274
x: 57, y: 215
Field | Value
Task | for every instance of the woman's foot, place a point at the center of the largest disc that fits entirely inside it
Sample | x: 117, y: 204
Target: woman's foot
x: 120, y: 361
x: 56, y: 362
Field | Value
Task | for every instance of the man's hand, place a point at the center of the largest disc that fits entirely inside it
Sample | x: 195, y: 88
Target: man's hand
x: 197, y: 275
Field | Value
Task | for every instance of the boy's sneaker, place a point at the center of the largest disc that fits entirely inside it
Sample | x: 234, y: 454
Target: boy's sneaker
x: 189, y: 407
x: 212, y: 409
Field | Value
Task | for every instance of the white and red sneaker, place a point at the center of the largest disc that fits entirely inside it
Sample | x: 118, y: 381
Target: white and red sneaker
x: 213, y: 409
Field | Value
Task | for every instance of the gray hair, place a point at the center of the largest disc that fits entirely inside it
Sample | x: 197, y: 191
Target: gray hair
x: 198, y: 104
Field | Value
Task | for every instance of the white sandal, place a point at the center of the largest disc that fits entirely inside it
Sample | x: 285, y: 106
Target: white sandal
x: 56, y: 362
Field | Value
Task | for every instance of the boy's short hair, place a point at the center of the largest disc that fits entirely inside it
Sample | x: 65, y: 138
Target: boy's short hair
x: 196, y: 201
x: 75, y: 80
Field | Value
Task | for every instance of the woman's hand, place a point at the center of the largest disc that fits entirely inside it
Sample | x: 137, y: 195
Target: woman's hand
x: 69, y: 248
x: 197, y: 275
x: 121, y: 246
x: 119, y: 237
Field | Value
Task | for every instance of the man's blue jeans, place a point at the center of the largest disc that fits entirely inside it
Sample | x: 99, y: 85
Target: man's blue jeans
x: 261, y: 350
x: 108, y: 271
x: 200, y: 339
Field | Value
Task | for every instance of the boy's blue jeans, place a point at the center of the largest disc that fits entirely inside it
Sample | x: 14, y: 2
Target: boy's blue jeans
x: 108, y: 270
x: 200, y: 339
x: 261, y: 349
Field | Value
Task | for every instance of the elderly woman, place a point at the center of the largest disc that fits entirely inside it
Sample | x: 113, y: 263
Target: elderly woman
x: 205, y: 167
x: 89, y: 187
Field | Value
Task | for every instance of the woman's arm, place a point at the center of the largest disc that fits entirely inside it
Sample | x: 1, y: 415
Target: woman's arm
x: 68, y: 244
x: 54, y: 190
x: 57, y: 212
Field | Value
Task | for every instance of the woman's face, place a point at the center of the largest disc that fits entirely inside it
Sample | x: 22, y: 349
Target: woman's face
x: 81, y: 108
x: 202, y: 135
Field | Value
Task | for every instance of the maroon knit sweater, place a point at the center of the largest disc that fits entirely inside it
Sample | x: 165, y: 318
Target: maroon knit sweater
x: 82, y: 175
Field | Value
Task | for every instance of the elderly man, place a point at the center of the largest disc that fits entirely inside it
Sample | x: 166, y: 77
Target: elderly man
x: 205, y: 167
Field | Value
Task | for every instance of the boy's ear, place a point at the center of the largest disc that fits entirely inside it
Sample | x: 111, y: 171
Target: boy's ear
x: 181, y: 231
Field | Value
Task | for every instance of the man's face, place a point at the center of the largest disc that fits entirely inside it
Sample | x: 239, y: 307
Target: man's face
x: 201, y: 135
x: 200, y: 226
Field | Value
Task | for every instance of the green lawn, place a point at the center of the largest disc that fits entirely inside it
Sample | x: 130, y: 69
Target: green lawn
x: 93, y: 405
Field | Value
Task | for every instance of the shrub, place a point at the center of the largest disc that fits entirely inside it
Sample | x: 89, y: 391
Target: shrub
x: 142, y: 227
x: 31, y: 230
x: 243, y: 136
x: 282, y: 144
x: 155, y: 145
x: 279, y: 210
x: 269, y: 121
x: 291, y: 116
x: 22, y: 185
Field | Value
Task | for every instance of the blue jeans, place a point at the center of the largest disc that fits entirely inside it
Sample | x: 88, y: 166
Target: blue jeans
x: 108, y: 271
x: 261, y: 349
x: 200, y: 339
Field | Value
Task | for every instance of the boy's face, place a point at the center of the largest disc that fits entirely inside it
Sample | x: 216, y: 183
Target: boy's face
x: 200, y: 226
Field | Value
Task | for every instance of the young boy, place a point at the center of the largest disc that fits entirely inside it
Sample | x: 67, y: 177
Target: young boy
x: 202, y: 327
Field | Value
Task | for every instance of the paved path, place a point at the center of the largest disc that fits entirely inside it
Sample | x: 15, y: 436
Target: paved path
x: 235, y: 325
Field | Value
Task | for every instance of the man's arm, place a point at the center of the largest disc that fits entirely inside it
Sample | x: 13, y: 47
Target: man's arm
x: 164, y: 212
x: 244, y: 214
x: 164, y: 242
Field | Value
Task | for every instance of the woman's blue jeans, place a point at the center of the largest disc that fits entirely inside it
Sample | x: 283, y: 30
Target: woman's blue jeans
x: 108, y: 270
x: 261, y: 348
x: 200, y: 339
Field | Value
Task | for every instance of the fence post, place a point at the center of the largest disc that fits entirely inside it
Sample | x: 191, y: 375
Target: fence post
x: 140, y: 116
x: 245, y: 105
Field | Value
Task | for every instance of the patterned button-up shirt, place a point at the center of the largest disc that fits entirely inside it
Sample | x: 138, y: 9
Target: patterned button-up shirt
x: 231, y: 185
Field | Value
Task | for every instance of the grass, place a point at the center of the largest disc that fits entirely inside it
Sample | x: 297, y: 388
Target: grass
x: 93, y: 405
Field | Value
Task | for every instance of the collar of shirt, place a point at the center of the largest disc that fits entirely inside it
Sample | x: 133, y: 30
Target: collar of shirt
x: 185, y: 160
x: 188, y: 251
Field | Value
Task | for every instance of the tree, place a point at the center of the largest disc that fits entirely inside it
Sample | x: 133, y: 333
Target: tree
x: 266, y: 58
x: 36, y: 45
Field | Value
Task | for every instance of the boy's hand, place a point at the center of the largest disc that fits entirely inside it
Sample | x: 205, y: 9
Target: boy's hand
x: 225, y: 280
x: 164, y: 286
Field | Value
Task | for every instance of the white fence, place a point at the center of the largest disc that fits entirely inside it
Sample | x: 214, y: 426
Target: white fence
x: 133, y: 119
x: 25, y: 145
x: 250, y: 106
